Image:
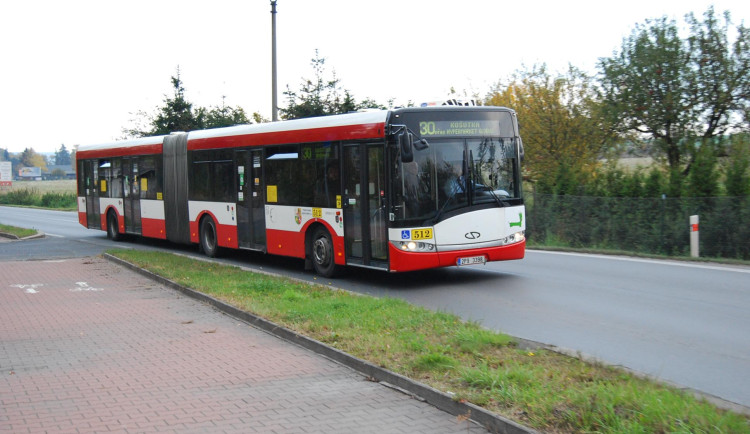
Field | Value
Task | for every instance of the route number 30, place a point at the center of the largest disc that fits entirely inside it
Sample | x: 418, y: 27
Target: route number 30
x: 427, y: 128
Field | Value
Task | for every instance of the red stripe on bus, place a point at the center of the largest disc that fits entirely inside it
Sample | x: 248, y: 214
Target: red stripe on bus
x: 227, y: 236
x: 348, y: 132
x: 154, y: 228
x: 155, y: 148
x: 286, y: 243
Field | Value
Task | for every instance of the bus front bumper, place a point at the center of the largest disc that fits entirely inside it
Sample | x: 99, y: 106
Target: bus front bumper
x: 411, y: 261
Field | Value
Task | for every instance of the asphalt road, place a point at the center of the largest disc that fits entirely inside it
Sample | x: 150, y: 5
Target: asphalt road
x: 685, y: 323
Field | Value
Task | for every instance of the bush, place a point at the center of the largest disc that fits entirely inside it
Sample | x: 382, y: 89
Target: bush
x: 26, y: 197
x: 32, y: 197
x: 58, y: 200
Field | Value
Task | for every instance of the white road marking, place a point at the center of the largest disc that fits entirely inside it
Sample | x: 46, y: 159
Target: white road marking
x: 28, y: 288
x: 83, y: 286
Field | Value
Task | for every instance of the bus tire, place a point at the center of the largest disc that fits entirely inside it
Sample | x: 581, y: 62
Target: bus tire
x: 209, y: 239
x: 323, y: 260
x: 113, y: 232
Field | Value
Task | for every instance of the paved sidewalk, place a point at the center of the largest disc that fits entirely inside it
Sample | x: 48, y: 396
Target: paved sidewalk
x: 87, y: 346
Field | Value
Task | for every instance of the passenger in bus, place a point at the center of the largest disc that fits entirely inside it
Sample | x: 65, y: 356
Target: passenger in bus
x: 456, y: 183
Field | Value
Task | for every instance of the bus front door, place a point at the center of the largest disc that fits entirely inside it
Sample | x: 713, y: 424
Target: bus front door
x: 90, y: 179
x: 251, y: 215
x: 363, y: 200
x: 131, y: 196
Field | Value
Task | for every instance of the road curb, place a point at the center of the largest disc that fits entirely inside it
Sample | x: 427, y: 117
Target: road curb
x: 16, y: 237
x: 434, y: 397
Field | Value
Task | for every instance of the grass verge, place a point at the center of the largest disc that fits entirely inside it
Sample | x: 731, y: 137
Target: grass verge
x: 541, y: 389
x: 19, y: 232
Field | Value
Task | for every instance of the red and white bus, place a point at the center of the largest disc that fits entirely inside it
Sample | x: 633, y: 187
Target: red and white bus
x: 398, y: 190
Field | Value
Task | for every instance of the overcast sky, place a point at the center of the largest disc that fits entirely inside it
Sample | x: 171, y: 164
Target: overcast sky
x: 74, y: 71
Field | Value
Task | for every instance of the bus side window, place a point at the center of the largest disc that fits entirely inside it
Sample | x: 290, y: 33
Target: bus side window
x: 147, y: 177
x: 223, y: 187
x: 104, y: 178
x: 283, y: 171
x: 212, y: 178
x: 200, y: 177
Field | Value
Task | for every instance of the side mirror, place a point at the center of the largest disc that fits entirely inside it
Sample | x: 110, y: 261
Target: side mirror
x: 520, y: 149
x: 406, y: 143
x: 421, y: 144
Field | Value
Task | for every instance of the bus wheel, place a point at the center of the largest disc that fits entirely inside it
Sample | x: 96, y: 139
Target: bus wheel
x: 209, y: 240
x: 322, y: 253
x: 113, y: 233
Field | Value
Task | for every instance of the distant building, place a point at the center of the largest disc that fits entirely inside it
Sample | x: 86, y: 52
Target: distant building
x: 60, y: 171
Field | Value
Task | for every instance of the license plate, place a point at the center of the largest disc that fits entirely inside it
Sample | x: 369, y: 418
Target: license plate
x: 471, y: 260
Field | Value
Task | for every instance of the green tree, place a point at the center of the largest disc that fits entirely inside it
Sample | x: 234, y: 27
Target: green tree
x: 62, y: 156
x: 675, y: 182
x: 678, y: 91
x: 178, y: 114
x: 321, y: 95
x: 703, y: 180
x: 737, y: 176
x: 560, y: 122
x: 225, y: 116
x: 259, y: 119
x: 654, y: 184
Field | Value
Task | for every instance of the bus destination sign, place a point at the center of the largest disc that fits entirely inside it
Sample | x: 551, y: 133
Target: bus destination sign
x: 480, y: 128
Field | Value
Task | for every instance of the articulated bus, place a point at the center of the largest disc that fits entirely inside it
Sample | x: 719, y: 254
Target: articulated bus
x: 398, y: 190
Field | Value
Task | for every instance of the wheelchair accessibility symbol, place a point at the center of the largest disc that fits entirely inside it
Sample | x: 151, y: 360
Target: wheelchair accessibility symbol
x: 405, y: 235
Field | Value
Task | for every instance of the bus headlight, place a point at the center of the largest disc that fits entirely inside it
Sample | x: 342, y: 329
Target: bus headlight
x: 514, y: 238
x: 416, y: 246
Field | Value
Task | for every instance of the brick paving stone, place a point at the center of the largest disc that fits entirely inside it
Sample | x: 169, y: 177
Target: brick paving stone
x: 87, y: 346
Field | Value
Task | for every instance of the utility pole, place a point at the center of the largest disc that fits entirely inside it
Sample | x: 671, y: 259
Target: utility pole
x: 274, y: 104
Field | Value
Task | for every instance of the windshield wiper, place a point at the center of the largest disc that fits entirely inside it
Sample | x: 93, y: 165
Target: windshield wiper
x: 497, y: 198
x: 453, y: 194
x: 457, y: 187
x: 487, y: 188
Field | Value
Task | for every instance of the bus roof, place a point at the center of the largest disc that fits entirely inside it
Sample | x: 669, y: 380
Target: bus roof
x: 351, y: 126
x: 143, y: 145
x: 356, y: 125
x: 332, y: 121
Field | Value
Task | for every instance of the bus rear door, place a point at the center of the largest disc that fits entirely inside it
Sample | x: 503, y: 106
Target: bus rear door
x: 365, y: 232
x: 131, y: 201
x: 90, y: 179
x: 251, y: 216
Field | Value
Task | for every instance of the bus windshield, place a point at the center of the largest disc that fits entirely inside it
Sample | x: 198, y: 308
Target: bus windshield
x: 454, y: 174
